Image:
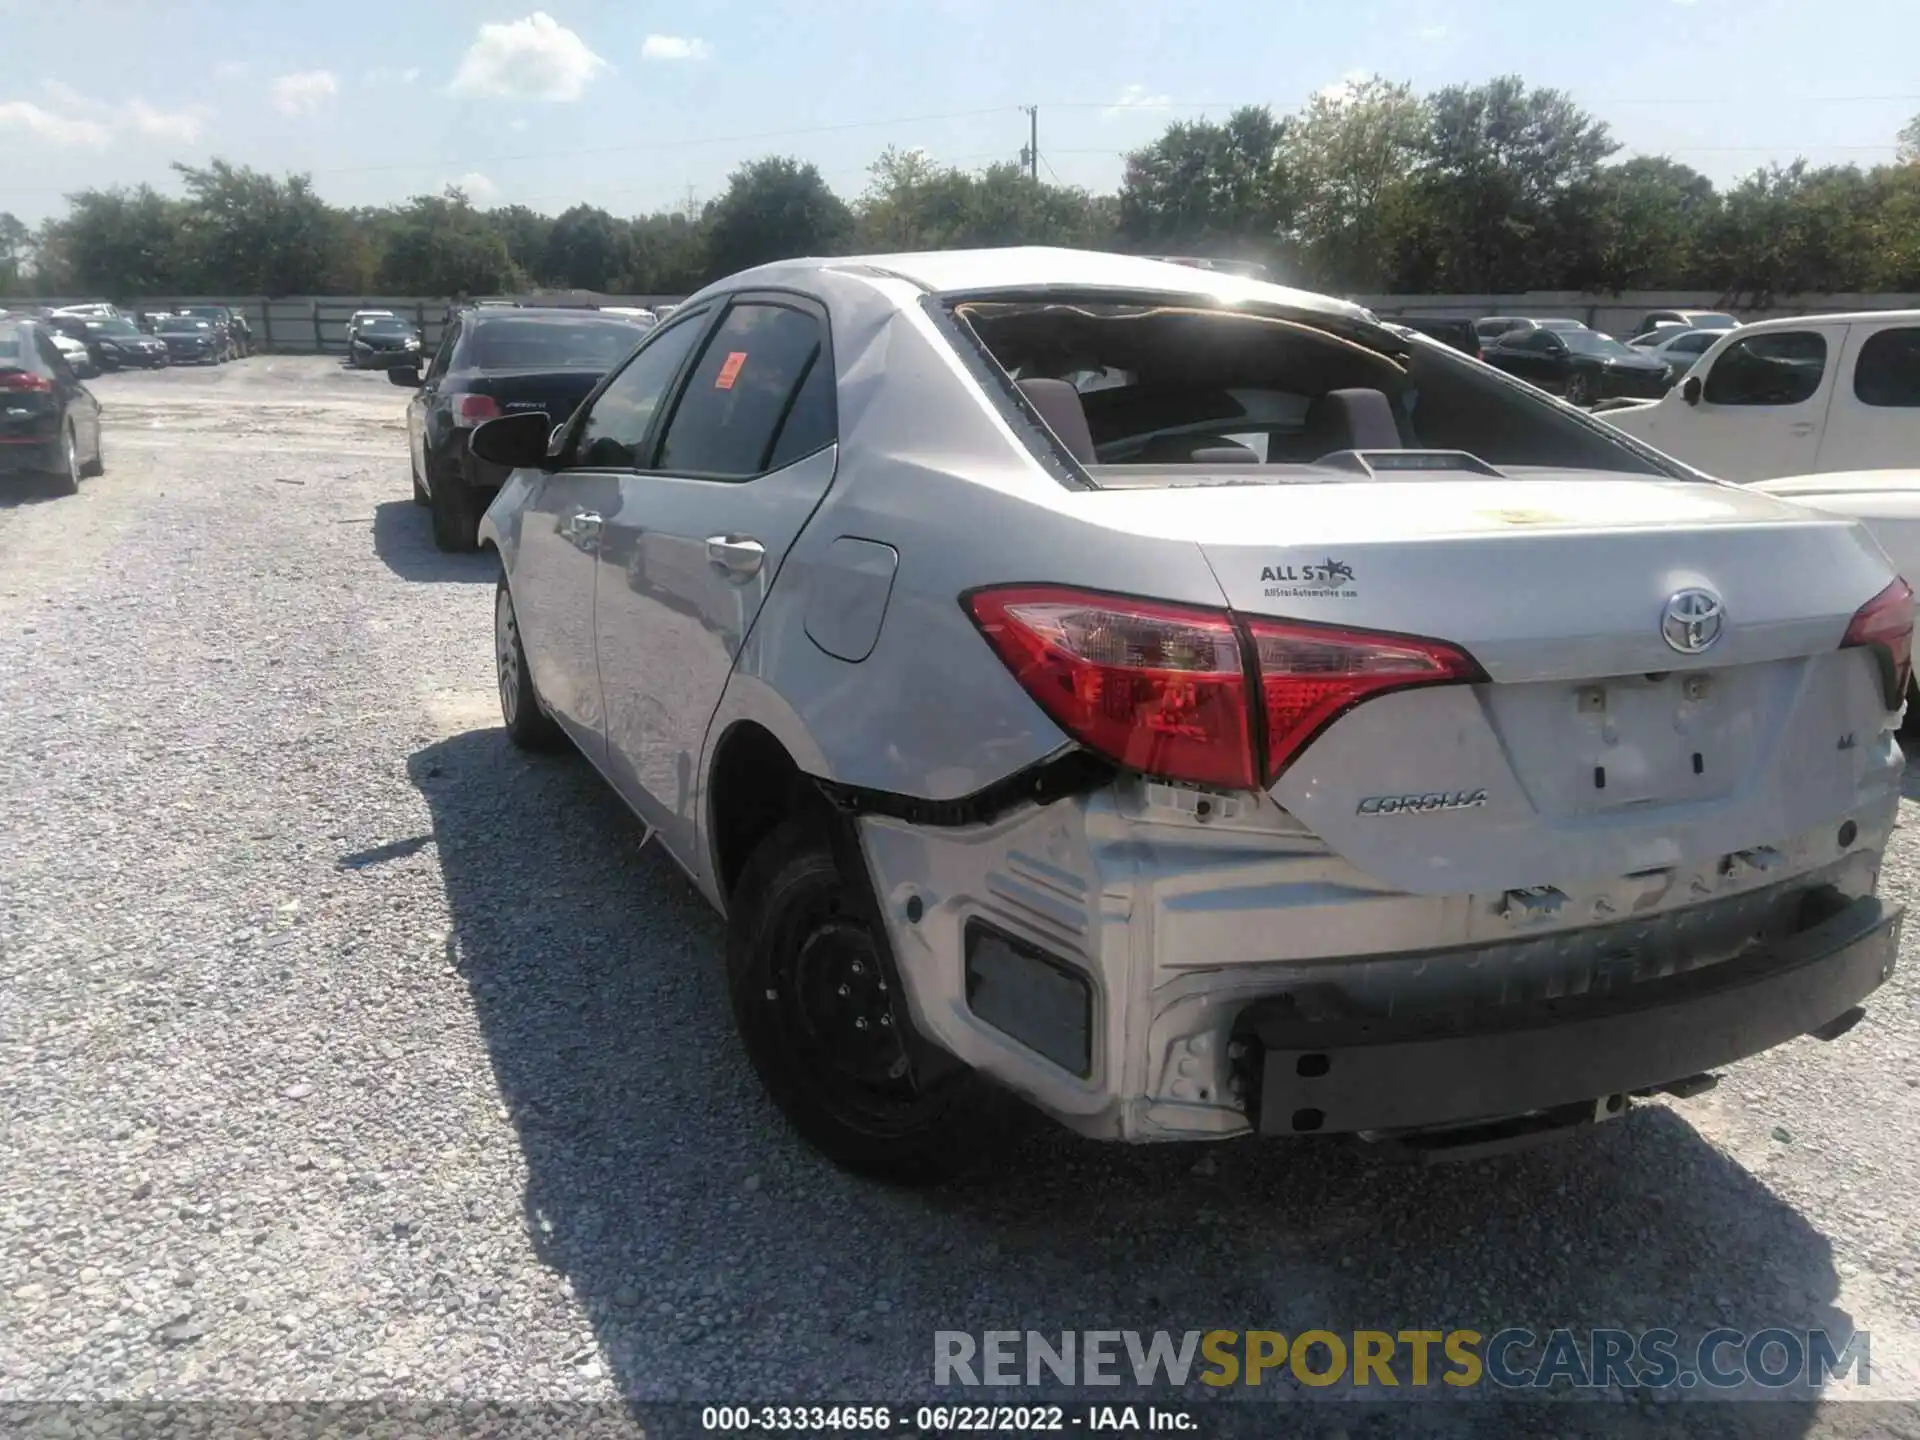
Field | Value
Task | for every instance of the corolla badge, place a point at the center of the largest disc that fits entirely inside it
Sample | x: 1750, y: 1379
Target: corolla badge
x: 1692, y: 620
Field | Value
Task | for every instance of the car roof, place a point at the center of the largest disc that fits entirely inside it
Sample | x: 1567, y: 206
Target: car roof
x: 1033, y: 267
x: 1838, y: 317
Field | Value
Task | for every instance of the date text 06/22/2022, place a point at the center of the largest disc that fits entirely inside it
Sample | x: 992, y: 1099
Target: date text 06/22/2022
x: 945, y: 1419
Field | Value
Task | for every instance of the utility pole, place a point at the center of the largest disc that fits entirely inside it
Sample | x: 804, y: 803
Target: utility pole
x: 1030, y: 156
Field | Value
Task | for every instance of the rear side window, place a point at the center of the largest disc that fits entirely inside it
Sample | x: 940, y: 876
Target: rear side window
x: 1783, y: 368
x: 760, y: 396
x: 1887, y: 373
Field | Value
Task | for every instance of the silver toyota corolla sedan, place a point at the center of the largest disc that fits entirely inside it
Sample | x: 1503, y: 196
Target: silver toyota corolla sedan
x: 1198, y: 709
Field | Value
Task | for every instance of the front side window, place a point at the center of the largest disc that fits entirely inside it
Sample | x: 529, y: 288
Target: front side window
x: 1782, y: 368
x: 764, y: 376
x: 613, y: 433
x: 443, y: 357
x: 1887, y: 374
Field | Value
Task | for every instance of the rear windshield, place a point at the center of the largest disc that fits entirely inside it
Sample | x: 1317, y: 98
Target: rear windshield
x: 529, y: 344
x: 1592, y: 342
x: 10, y: 342
x: 180, y: 325
x: 1166, y: 386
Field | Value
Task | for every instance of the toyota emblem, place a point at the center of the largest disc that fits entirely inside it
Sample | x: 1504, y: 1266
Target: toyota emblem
x: 1692, y: 621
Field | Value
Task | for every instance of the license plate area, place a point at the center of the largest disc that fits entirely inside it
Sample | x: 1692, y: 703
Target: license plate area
x: 1590, y: 747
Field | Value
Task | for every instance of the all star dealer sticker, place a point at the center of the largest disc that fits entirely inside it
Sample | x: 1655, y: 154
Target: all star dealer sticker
x: 1327, y: 579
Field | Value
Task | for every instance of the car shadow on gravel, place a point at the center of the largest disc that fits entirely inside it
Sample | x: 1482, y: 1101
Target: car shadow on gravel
x: 21, y: 489
x: 403, y: 538
x: 721, y: 1260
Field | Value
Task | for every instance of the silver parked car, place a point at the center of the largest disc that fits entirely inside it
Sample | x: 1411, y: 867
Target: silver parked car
x: 1198, y: 709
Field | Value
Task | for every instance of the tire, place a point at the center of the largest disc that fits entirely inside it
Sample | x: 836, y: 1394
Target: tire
x: 528, y: 724
x: 97, y: 466
x: 1580, y: 388
x: 456, y: 524
x: 67, y: 478
x: 806, y: 971
x: 420, y: 496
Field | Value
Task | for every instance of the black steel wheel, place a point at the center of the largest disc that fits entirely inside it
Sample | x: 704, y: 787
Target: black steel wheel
x: 827, y: 1031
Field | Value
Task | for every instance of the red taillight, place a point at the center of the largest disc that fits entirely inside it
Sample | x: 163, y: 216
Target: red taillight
x: 1886, y: 624
x: 1157, y: 688
x: 1310, y: 675
x: 1163, y: 688
x: 24, y: 380
x: 472, y: 409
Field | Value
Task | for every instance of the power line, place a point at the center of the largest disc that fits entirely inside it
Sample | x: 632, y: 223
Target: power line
x: 1596, y: 101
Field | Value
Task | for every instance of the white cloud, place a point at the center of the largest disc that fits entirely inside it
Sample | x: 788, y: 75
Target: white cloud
x: 181, y: 125
x: 477, y: 186
x: 1343, y: 88
x: 52, y: 128
x: 1136, y: 97
x: 304, y: 92
x: 537, y: 58
x: 230, y: 69
x: 96, y: 120
x: 674, y: 47
x: 516, y: 125
x: 389, y: 75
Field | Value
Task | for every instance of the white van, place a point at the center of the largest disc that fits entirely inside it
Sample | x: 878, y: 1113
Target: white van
x: 1824, y: 410
x: 1793, y: 397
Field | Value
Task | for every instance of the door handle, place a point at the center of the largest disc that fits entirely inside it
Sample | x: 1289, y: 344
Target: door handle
x: 741, y: 556
x: 581, y: 525
x: 1801, y: 427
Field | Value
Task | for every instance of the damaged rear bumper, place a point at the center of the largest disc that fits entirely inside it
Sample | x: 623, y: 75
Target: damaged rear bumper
x: 1148, y: 963
x: 1312, y: 1076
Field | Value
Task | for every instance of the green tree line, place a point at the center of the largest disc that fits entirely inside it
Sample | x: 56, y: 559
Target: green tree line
x: 1489, y: 188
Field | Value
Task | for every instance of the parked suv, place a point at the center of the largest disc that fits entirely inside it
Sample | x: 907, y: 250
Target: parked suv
x: 1289, y: 728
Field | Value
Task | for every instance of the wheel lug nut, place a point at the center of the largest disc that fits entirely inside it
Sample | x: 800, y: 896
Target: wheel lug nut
x: 858, y: 968
x: 887, y: 1021
x: 860, y: 1024
x: 844, y: 992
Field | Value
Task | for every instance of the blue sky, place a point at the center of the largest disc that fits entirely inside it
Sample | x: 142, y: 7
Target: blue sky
x: 636, y: 105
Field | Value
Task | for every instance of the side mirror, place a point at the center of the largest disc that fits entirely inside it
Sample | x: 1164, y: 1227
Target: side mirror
x: 1690, y: 391
x: 407, y: 376
x: 516, y: 442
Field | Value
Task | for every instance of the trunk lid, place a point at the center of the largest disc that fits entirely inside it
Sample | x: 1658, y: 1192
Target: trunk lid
x: 1597, y: 749
x: 557, y: 391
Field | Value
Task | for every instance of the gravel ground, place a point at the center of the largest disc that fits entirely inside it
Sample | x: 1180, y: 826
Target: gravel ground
x: 345, y: 1052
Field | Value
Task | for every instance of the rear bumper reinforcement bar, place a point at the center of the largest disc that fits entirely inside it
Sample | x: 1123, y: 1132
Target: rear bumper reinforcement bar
x: 1318, y: 1076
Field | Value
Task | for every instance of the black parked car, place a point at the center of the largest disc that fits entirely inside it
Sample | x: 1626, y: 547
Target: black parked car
x: 112, y: 344
x: 190, y: 339
x: 49, y: 421
x: 1582, y: 365
x: 498, y: 361
x: 230, y: 324
x: 383, y: 342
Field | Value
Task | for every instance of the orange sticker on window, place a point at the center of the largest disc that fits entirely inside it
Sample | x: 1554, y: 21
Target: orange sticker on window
x: 730, y: 371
